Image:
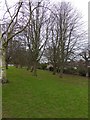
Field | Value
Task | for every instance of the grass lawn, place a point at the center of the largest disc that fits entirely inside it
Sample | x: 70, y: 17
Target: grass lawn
x: 45, y: 96
x: 0, y: 101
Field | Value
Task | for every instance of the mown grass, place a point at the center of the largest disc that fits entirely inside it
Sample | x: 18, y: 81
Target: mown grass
x: 0, y: 101
x: 45, y: 96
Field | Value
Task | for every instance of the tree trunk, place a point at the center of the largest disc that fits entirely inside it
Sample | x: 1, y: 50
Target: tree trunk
x: 54, y: 72
x: 28, y: 68
x: 4, y: 77
x: 21, y: 66
x: 61, y: 72
x: 87, y: 72
x: 54, y: 69
x: 35, y: 69
x: 0, y: 66
x: 31, y: 68
x: 62, y: 60
x: 6, y: 65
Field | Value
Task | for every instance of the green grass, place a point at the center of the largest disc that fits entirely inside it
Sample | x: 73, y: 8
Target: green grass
x: 0, y: 101
x: 45, y: 96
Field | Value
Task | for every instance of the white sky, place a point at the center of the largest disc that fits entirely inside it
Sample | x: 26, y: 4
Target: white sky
x: 81, y: 5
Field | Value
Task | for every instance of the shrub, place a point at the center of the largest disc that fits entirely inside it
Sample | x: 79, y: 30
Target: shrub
x: 42, y: 66
x: 50, y: 68
x: 89, y: 71
x: 70, y: 70
x: 82, y: 71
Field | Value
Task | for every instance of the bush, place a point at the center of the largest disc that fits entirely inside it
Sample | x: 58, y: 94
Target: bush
x: 82, y: 71
x: 70, y: 70
x: 89, y: 71
x: 42, y: 66
x: 50, y: 68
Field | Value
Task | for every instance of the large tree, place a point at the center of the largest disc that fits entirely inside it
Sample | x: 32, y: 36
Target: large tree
x: 66, y: 34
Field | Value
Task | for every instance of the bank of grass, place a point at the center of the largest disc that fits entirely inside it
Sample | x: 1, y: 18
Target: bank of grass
x: 45, y: 96
x: 0, y: 101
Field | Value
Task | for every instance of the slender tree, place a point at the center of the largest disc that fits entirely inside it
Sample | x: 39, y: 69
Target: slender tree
x: 36, y: 34
x: 13, y: 26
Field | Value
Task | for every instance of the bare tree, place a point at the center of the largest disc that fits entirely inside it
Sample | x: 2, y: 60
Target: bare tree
x: 66, y: 34
x: 37, y: 35
x: 85, y: 54
x: 13, y: 26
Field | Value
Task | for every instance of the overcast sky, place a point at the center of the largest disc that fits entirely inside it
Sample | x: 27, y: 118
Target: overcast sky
x: 81, y: 5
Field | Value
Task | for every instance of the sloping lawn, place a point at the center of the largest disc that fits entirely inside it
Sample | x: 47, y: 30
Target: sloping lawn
x: 45, y: 96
